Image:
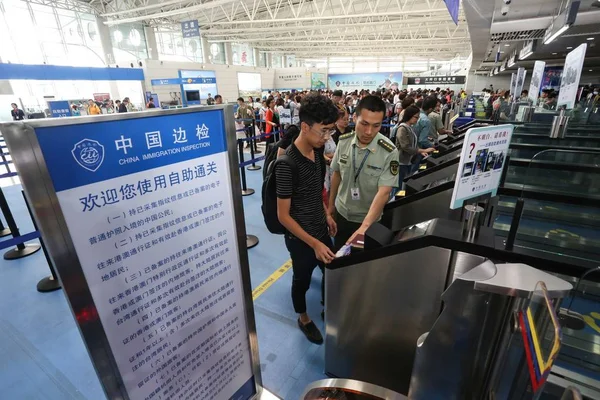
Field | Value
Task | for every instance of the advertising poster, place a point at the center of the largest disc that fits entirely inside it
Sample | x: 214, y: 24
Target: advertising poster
x: 551, y: 78
x: 366, y: 80
x: 571, y: 75
x: 536, y: 81
x: 249, y: 84
x: 285, y: 116
x: 521, y: 74
x: 149, y: 208
x: 481, y: 163
x: 204, y: 88
x: 513, y: 85
x: 318, y: 81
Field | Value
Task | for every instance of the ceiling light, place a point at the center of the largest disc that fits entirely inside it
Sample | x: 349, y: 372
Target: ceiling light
x: 569, y: 48
x: 507, y: 45
x: 556, y: 34
x: 557, y: 53
x: 591, y: 38
x: 592, y: 69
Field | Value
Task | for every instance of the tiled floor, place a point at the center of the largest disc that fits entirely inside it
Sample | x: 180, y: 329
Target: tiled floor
x: 42, y: 355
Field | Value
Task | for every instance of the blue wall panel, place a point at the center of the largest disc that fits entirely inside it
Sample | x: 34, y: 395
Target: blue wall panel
x: 62, y: 73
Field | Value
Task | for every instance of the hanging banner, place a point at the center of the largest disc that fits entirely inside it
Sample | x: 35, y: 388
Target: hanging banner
x: 146, y: 231
x: 190, y: 29
x: 318, y: 81
x: 481, y: 163
x: 367, y: 80
x: 571, y: 76
x: 453, y: 6
x: 536, y: 80
x: 521, y: 74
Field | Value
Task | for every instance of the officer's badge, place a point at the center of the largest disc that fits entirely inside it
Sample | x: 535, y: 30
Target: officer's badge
x: 394, y: 167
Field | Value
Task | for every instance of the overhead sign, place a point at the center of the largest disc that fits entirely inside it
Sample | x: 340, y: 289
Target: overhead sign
x: 481, y: 163
x: 290, y: 80
x: 182, y: 81
x: 436, y: 80
x: 521, y: 74
x: 571, y: 76
x: 536, y: 80
x: 527, y: 49
x: 366, y: 80
x: 59, y: 109
x: 190, y: 29
x: 149, y: 214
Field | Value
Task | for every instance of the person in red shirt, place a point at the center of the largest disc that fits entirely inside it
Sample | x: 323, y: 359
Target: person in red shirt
x: 270, y: 120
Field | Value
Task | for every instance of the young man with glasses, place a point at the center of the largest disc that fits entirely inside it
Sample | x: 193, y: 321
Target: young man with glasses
x: 365, y: 169
x: 300, y: 206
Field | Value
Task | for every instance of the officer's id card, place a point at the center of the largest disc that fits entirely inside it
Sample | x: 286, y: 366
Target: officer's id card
x: 355, y: 193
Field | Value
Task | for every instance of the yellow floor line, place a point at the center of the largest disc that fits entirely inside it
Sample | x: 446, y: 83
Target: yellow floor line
x: 271, y: 279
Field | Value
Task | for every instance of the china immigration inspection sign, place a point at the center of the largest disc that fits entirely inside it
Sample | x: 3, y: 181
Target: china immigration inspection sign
x: 149, y: 208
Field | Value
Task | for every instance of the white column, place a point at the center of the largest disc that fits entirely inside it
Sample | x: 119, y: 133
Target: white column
x: 256, y: 55
x: 105, y: 40
x: 283, y: 61
x: 205, y: 51
x: 268, y: 57
x: 228, y: 54
x: 151, y: 43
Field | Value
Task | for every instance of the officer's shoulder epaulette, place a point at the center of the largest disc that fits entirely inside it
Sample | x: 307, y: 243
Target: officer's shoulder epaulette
x: 386, y: 145
x: 346, y: 136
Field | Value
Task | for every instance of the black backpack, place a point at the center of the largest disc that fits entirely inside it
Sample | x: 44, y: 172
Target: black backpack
x: 270, y: 156
x: 269, y: 193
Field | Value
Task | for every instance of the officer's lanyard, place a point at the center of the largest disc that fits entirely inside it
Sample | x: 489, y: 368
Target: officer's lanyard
x: 362, y: 164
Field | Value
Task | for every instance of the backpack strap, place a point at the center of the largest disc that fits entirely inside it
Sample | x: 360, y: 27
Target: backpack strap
x: 285, y: 159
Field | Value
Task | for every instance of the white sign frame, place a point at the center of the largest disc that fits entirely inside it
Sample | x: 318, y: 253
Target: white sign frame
x: 536, y: 80
x: 481, y: 163
x: 569, y: 82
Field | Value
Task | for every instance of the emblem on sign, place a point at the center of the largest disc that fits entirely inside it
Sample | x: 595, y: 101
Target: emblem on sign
x: 89, y: 154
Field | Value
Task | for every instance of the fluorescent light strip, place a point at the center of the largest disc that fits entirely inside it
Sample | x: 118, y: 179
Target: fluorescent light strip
x: 556, y: 34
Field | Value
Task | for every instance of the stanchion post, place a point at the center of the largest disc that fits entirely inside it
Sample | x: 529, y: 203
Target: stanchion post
x: 49, y: 283
x: 252, y: 133
x: 4, y: 231
x: 251, y: 241
x: 245, y: 190
x: 253, y: 167
x: 21, y: 250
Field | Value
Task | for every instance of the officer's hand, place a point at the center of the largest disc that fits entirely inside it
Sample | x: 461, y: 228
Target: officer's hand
x: 359, y: 231
x: 323, y: 253
x: 332, y: 226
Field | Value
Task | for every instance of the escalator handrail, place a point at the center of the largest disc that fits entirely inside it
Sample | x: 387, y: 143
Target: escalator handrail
x: 526, y: 162
x: 571, y: 149
x: 528, y: 192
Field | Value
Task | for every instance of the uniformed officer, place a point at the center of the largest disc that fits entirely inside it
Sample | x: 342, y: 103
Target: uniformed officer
x: 365, y: 169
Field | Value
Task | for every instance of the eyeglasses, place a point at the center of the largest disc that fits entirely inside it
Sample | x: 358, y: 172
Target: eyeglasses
x: 325, y: 133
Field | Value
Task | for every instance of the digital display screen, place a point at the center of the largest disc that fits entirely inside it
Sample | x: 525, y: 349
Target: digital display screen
x: 192, y: 95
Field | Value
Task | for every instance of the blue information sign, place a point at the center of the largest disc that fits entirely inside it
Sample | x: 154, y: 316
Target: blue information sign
x: 182, y: 81
x: 148, y: 206
x: 59, y: 109
x: 190, y: 28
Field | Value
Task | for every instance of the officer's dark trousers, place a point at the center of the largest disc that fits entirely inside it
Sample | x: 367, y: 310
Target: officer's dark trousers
x: 345, y: 229
x: 304, y: 262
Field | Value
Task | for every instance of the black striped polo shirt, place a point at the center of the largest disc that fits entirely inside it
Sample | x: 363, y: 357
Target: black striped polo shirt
x: 307, y: 207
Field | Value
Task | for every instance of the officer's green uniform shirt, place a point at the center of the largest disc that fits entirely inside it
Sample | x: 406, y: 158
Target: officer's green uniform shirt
x: 379, y: 169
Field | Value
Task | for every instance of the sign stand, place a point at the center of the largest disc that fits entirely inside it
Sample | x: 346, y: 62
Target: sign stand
x: 50, y: 283
x: 21, y: 250
x: 143, y: 219
x: 3, y: 231
x: 251, y: 241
